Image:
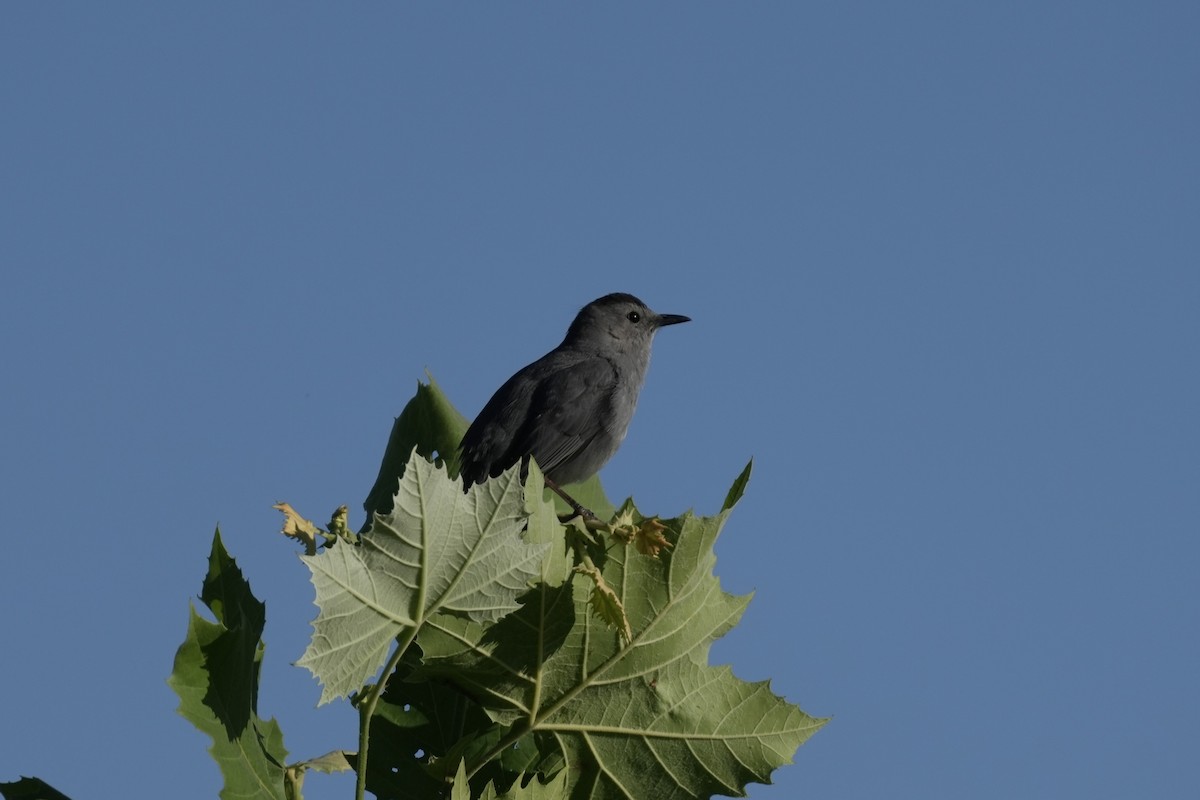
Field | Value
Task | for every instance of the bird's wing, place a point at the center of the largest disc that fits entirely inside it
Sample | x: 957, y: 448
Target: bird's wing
x: 486, y: 443
x: 573, y: 397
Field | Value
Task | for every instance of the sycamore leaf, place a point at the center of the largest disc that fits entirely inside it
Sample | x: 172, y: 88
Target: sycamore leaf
x: 606, y: 604
x: 544, y: 528
x: 555, y: 789
x: 216, y: 677
x: 422, y: 730
x: 330, y: 763
x: 637, y: 719
x: 428, y: 423
x: 649, y: 539
x: 30, y: 789
x: 339, y: 527
x: 412, y: 724
x: 460, y: 790
x: 298, y: 528
x: 437, y: 551
x: 739, y: 487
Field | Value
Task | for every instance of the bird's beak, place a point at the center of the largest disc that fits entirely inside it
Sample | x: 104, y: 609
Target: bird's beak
x: 671, y: 319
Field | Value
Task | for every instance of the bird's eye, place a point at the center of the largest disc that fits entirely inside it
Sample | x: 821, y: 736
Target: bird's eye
x: 634, y: 316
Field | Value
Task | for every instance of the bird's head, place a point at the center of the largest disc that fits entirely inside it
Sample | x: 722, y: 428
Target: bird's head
x: 618, y: 322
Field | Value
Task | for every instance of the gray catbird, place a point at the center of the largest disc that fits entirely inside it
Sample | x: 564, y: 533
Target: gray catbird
x: 570, y: 408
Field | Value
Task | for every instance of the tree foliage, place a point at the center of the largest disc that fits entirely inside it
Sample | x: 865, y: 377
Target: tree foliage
x: 216, y: 677
x: 493, y: 651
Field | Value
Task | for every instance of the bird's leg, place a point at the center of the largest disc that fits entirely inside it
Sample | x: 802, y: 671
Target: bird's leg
x: 578, y: 509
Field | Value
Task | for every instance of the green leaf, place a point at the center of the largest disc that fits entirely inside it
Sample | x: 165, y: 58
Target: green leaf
x: 30, y: 789
x: 422, y: 729
x: 461, y: 790
x: 544, y: 528
x: 430, y: 424
x: 649, y: 719
x: 216, y: 677
x: 294, y: 775
x: 739, y: 487
x: 415, y: 727
x: 438, y: 550
x: 555, y: 789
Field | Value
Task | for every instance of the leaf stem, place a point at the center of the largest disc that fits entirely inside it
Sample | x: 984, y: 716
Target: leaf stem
x: 366, y: 710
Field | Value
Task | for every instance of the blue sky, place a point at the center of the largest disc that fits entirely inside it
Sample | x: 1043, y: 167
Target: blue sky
x: 943, y: 262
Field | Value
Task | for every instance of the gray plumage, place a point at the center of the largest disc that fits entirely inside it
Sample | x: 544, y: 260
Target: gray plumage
x: 571, y: 408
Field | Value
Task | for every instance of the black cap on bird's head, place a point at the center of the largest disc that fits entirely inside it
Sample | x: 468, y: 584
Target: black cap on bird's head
x: 619, y: 316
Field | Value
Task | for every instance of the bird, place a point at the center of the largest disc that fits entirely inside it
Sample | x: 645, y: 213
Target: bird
x: 570, y: 409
